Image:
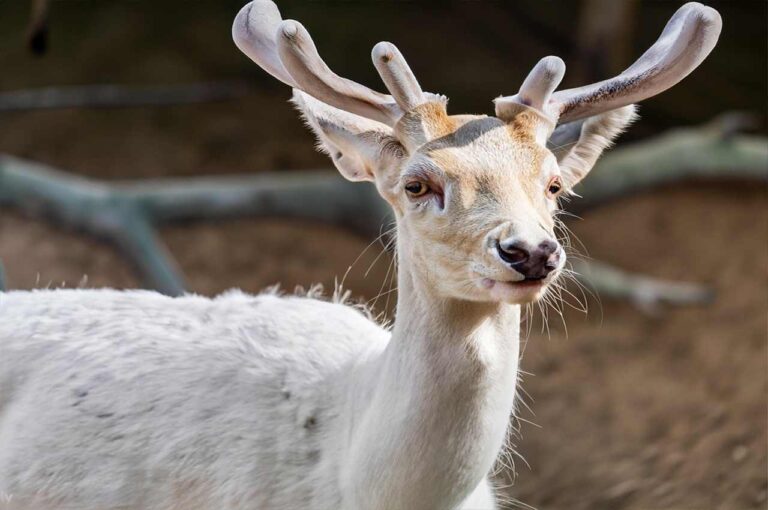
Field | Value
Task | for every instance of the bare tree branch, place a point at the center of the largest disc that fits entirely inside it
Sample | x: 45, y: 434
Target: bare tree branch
x: 119, y: 96
x: 124, y: 213
x: 709, y: 152
x: 648, y: 294
x: 93, y: 207
x: 315, y: 195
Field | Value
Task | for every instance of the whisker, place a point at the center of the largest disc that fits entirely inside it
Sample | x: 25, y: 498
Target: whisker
x: 383, y: 250
x: 357, y: 259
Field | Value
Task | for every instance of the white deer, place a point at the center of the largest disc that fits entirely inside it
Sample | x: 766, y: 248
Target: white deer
x: 133, y: 400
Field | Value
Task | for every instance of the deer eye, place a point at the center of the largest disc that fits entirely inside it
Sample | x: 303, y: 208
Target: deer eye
x: 554, y: 186
x: 416, y: 189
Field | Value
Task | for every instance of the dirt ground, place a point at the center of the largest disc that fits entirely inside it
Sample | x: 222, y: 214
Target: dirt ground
x: 627, y: 410
x: 664, y: 412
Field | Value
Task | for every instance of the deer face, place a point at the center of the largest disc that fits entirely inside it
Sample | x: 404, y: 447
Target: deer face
x: 474, y: 208
x: 474, y: 196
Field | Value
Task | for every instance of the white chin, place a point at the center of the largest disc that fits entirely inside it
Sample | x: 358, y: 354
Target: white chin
x: 514, y: 292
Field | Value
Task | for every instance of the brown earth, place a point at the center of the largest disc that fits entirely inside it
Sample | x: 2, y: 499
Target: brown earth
x: 667, y: 411
x: 631, y: 411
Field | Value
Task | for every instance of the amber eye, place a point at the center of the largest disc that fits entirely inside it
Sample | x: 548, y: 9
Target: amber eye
x: 554, y: 186
x: 416, y: 188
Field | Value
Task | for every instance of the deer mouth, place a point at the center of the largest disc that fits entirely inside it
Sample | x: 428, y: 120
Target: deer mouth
x: 489, y: 283
x: 528, y: 282
x: 515, y: 291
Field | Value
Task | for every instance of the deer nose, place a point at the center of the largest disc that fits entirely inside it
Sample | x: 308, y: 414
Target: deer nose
x: 534, y: 263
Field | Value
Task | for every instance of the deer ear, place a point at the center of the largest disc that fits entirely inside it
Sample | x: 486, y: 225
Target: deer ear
x: 577, y: 145
x: 360, y: 148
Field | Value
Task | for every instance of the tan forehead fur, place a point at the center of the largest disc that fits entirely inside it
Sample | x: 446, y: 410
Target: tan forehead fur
x: 484, y: 156
x: 472, y: 141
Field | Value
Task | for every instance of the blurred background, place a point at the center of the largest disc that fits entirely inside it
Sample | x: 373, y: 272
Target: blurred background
x: 639, y: 403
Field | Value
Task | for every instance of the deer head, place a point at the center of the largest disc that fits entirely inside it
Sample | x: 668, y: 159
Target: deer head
x: 474, y: 196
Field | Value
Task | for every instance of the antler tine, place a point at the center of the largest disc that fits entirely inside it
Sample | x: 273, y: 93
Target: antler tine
x: 687, y: 39
x: 299, y: 55
x: 254, y: 32
x: 536, y: 90
x: 285, y: 50
x: 397, y: 75
x: 541, y: 82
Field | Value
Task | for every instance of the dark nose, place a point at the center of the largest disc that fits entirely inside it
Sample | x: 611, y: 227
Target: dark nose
x: 533, y: 264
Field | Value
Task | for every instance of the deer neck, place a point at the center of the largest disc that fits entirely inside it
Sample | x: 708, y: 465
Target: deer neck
x: 438, y: 403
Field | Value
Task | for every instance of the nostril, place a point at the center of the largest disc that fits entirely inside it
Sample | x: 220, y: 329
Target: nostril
x: 548, y: 247
x: 512, y: 253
